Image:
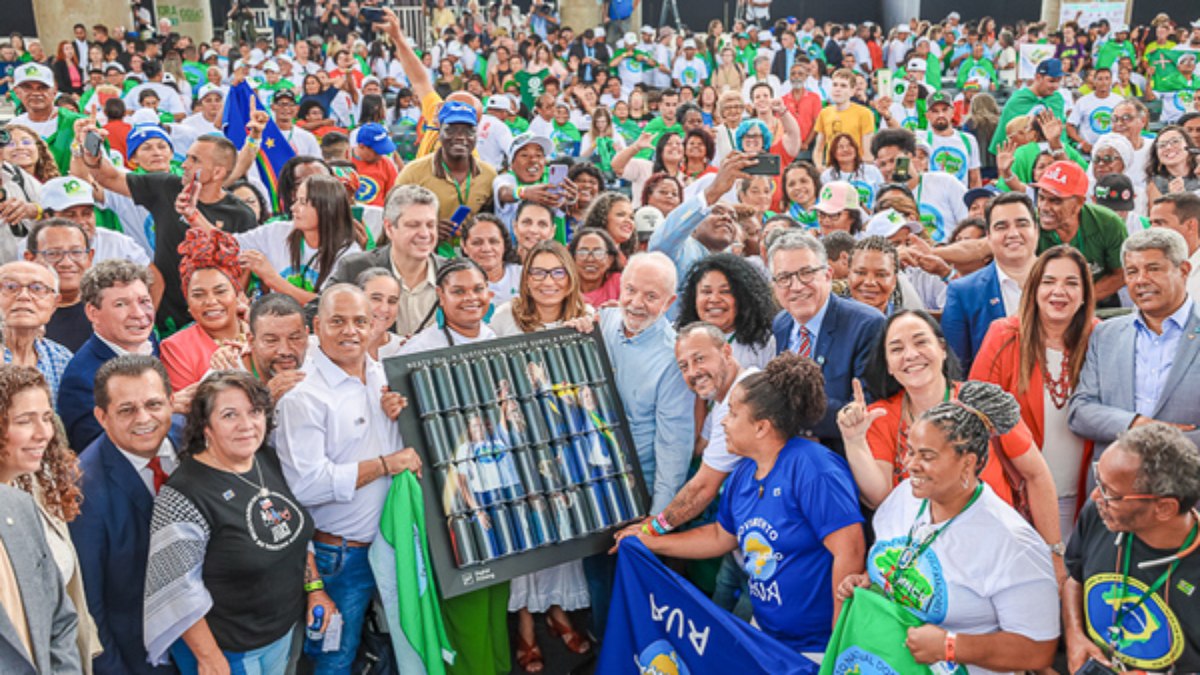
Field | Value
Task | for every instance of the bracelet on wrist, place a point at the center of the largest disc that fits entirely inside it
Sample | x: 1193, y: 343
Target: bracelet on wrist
x: 383, y: 463
x: 951, y: 638
x: 646, y: 529
x: 661, y: 522
x: 318, y: 585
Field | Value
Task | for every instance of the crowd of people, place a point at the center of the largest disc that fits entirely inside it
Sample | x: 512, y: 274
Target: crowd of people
x: 883, y: 311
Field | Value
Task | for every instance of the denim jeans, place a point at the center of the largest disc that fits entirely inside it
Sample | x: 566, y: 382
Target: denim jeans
x: 346, y: 572
x: 732, y: 589
x: 269, y: 660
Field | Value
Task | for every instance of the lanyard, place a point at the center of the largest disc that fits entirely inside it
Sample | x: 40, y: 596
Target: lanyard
x: 909, y: 556
x: 458, y: 187
x: 1115, y: 630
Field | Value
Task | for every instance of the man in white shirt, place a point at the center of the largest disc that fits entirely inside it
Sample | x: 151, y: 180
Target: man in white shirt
x: 493, y: 137
x: 168, y: 99
x: 1091, y: 117
x: 690, y: 70
x: 71, y: 198
x: 205, y: 121
x: 898, y: 47
x: 660, y: 76
x: 542, y: 123
x: 283, y: 109
x: 953, y: 151
x: 34, y: 87
x: 337, y: 438
x: 762, y: 73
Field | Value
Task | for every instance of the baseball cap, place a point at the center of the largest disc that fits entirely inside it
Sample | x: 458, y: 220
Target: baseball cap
x: 375, y: 137
x: 979, y: 193
x: 903, y: 28
x: 499, y: 102
x: 1114, y: 191
x: 1064, y: 179
x: 916, y: 64
x: 371, y: 79
x: 142, y: 133
x: 837, y: 196
x: 270, y: 67
x: 59, y: 194
x: 283, y: 93
x: 113, y: 65
x: 647, y: 29
x: 689, y: 44
x: 792, y: 19
x: 207, y: 89
x: 529, y: 139
x: 210, y: 54
x: 938, y: 97
x: 457, y: 112
x: 888, y: 222
x: 631, y: 38
x: 1051, y: 67
x: 598, y: 31
x: 33, y: 72
x: 144, y: 116
x: 647, y: 219
x: 953, y: 15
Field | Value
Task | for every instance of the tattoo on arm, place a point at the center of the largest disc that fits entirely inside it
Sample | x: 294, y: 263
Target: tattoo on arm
x: 685, y: 506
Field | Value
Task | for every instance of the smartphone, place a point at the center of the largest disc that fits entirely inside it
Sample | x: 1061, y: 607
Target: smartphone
x: 1094, y: 667
x: 458, y: 218
x: 558, y: 173
x: 766, y: 165
x: 373, y: 14
x: 902, y: 171
x: 93, y: 144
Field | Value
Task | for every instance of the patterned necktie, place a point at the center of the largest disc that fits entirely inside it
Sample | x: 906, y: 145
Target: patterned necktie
x: 160, y: 476
x: 804, y: 343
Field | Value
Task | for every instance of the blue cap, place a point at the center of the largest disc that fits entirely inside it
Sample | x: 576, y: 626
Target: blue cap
x: 978, y: 193
x: 1050, y: 68
x: 375, y: 137
x: 457, y: 112
x: 142, y: 133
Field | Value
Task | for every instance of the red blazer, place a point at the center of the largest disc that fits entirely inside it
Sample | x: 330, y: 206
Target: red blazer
x: 999, y: 362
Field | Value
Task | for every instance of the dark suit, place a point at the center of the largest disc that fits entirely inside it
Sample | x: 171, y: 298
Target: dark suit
x: 112, y: 540
x: 599, y: 52
x: 779, y: 63
x: 75, y: 397
x: 49, y: 614
x: 848, y: 333
x: 972, y: 304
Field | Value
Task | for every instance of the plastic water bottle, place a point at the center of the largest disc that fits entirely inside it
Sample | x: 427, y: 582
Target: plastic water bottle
x: 314, y: 629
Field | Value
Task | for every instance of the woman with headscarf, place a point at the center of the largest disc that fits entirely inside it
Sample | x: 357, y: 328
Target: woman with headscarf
x: 1113, y: 153
x: 210, y: 272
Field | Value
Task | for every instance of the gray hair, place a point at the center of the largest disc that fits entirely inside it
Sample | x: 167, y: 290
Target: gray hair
x: 715, y: 334
x: 371, y: 273
x: 1170, y: 464
x: 795, y: 241
x: 108, y: 273
x: 1170, y: 242
x: 655, y: 259
x: 403, y: 196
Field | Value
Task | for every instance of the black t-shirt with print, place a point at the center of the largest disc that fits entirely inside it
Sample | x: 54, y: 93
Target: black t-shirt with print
x: 157, y: 192
x: 1157, y: 634
x: 257, y: 549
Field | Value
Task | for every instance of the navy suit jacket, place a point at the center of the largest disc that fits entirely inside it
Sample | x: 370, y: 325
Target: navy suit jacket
x: 972, y: 304
x: 112, y: 538
x: 75, y: 396
x: 848, y: 334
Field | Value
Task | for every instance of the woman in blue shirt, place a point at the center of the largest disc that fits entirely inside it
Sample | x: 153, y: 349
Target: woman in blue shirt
x: 792, y: 508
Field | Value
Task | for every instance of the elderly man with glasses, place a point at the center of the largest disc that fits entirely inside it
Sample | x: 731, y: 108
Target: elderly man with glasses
x: 64, y: 247
x: 27, y: 295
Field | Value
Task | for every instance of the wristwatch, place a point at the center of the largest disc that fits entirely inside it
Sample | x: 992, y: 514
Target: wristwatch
x: 1059, y: 549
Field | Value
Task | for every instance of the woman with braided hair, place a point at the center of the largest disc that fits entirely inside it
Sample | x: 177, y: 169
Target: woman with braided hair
x: 958, y: 557
x: 791, y: 507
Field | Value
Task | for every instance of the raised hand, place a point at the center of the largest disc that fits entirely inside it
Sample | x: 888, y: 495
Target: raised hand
x: 854, y: 419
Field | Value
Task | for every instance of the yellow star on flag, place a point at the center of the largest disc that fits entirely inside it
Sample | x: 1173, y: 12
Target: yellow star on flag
x: 270, y: 143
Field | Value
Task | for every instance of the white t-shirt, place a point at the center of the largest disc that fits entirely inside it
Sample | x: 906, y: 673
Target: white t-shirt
x: 509, y: 285
x: 691, y: 72
x: 907, y: 118
x: 303, y: 142
x: 716, y: 454
x: 1176, y: 104
x: 271, y: 239
x: 1062, y: 449
x: 435, y: 338
x: 136, y: 221
x: 940, y: 199
x: 493, y: 139
x: 956, y: 154
x: 1092, y: 116
x: 776, y: 85
x: 44, y: 129
x: 988, y: 571
x: 168, y: 98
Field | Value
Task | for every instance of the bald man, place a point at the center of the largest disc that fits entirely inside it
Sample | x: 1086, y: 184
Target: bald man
x: 28, y: 297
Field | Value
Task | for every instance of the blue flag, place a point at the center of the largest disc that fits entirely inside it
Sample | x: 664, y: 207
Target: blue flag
x: 660, y: 623
x: 273, y: 151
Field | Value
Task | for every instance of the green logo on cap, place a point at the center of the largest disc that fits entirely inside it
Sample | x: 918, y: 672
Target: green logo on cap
x: 72, y: 186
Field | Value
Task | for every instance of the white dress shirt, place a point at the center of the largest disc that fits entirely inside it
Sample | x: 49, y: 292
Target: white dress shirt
x: 1010, y: 292
x: 166, y: 458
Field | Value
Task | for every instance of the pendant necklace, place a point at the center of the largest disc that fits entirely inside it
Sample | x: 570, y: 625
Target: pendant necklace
x: 261, y: 487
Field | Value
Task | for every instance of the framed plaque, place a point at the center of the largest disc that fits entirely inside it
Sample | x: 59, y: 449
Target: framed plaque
x: 527, y: 457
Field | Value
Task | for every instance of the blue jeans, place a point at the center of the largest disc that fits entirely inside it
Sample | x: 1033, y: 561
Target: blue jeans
x: 732, y: 591
x: 269, y: 660
x: 346, y: 572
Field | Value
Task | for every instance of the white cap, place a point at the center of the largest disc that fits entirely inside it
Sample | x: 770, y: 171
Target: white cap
x: 689, y: 44
x: 240, y: 64
x: 270, y: 67
x: 647, y: 219
x: 631, y: 38
x: 647, y: 29
x: 953, y: 15
x: 499, y: 102
x: 765, y: 36
x: 888, y: 222
x: 60, y: 194
x: 257, y: 55
x: 33, y: 72
x: 1120, y: 28
x: 916, y: 64
x: 210, y: 54
x: 903, y: 28
x: 209, y: 88
x: 371, y: 79
x: 144, y: 116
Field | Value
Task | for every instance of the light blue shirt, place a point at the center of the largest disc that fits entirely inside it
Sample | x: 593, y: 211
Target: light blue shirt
x: 1153, y: 356
x: 658, y: 405
x: 674, y: 238
x: 814, y: 330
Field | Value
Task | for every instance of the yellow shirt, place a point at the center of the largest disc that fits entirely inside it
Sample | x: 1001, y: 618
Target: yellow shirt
x: 430, y: 103
x: 420, y: 172
x: 856, y: 120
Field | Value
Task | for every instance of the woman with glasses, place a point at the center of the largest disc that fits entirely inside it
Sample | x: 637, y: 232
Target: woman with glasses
x: 297, y: 257
x: 955, y: 555
x: 730, y: 293
x: 910, y: 371
x: 28, y: 152
x: 1037, y: 355
x: 485, y: 240
x: 28, y: 292
x: 1113, y: 153
x: 598, y: 262
x: 1171, y: 166
x: 549, y: 296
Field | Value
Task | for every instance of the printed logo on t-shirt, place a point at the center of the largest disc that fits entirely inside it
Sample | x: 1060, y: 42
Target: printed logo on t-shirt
x: 1100, y: 120
x: 934, y: 222
x: 858, y: 661
x: 273, y: 521
x: 1150, y: 637
x: 758, y: 537
x: 950, y: 159
x: 921, y: 586
x: 367, y: 189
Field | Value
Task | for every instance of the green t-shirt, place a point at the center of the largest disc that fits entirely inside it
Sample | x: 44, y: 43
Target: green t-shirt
x: 532, y: 85
x: 1023, y: 101
x: 657, y: 128
x: 975, y: 69
x: 1099, y: 238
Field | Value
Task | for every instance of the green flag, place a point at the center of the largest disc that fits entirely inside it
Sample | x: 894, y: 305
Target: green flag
x: 869, y: 638
x: 62, y: 138
x: 1166, y: 64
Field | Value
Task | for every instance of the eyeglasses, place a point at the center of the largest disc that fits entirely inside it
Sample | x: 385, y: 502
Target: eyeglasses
x: 1172, y: 143
x: 540, y: 273
x: 591, y: 253
x: 1124, y: 119
x: 1106, y: 159
x: 1108, y: 498
x: 37, y: 289
x: 55, y: 255
x: 804, y: 275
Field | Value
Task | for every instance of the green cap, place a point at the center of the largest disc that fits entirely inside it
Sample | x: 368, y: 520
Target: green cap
x: 939, y: 97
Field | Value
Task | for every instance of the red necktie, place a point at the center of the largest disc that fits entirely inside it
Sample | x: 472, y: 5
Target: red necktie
x: 160, y: 476
x: 804, y: 344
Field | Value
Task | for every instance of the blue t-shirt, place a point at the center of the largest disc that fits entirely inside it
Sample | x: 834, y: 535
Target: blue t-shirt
x: 7, y: 68
x: 619, y: 10
x: 809, y: 494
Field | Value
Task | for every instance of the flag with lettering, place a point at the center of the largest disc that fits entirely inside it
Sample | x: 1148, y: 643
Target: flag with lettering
x: 660, y: 623
x: 1167, y: 64
x: 273, y: 151
x: 869, y: 638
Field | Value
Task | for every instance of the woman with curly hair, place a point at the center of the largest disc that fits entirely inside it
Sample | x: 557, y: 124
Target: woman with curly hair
x: 224, y: 522
x: 664, y: 192
x: 35, y: 458
x: 790, y: 506
x: 731, y: 294
x: 28, y: 152
x: 613, y: 213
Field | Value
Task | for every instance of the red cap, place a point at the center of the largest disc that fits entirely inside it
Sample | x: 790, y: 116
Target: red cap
x: 1064, y: 179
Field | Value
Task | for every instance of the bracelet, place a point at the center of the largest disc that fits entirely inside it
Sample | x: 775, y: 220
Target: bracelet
x: 660, y: 521
x: 383, y: 463
x: 318, y: 585
x: 950, y: 639
x: 646, y: 529
x: 252, y: 141
x: 518, y: 192
x: 40, y: 212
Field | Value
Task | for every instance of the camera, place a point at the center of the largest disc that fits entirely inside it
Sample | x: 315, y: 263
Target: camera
x: 5, y: 138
